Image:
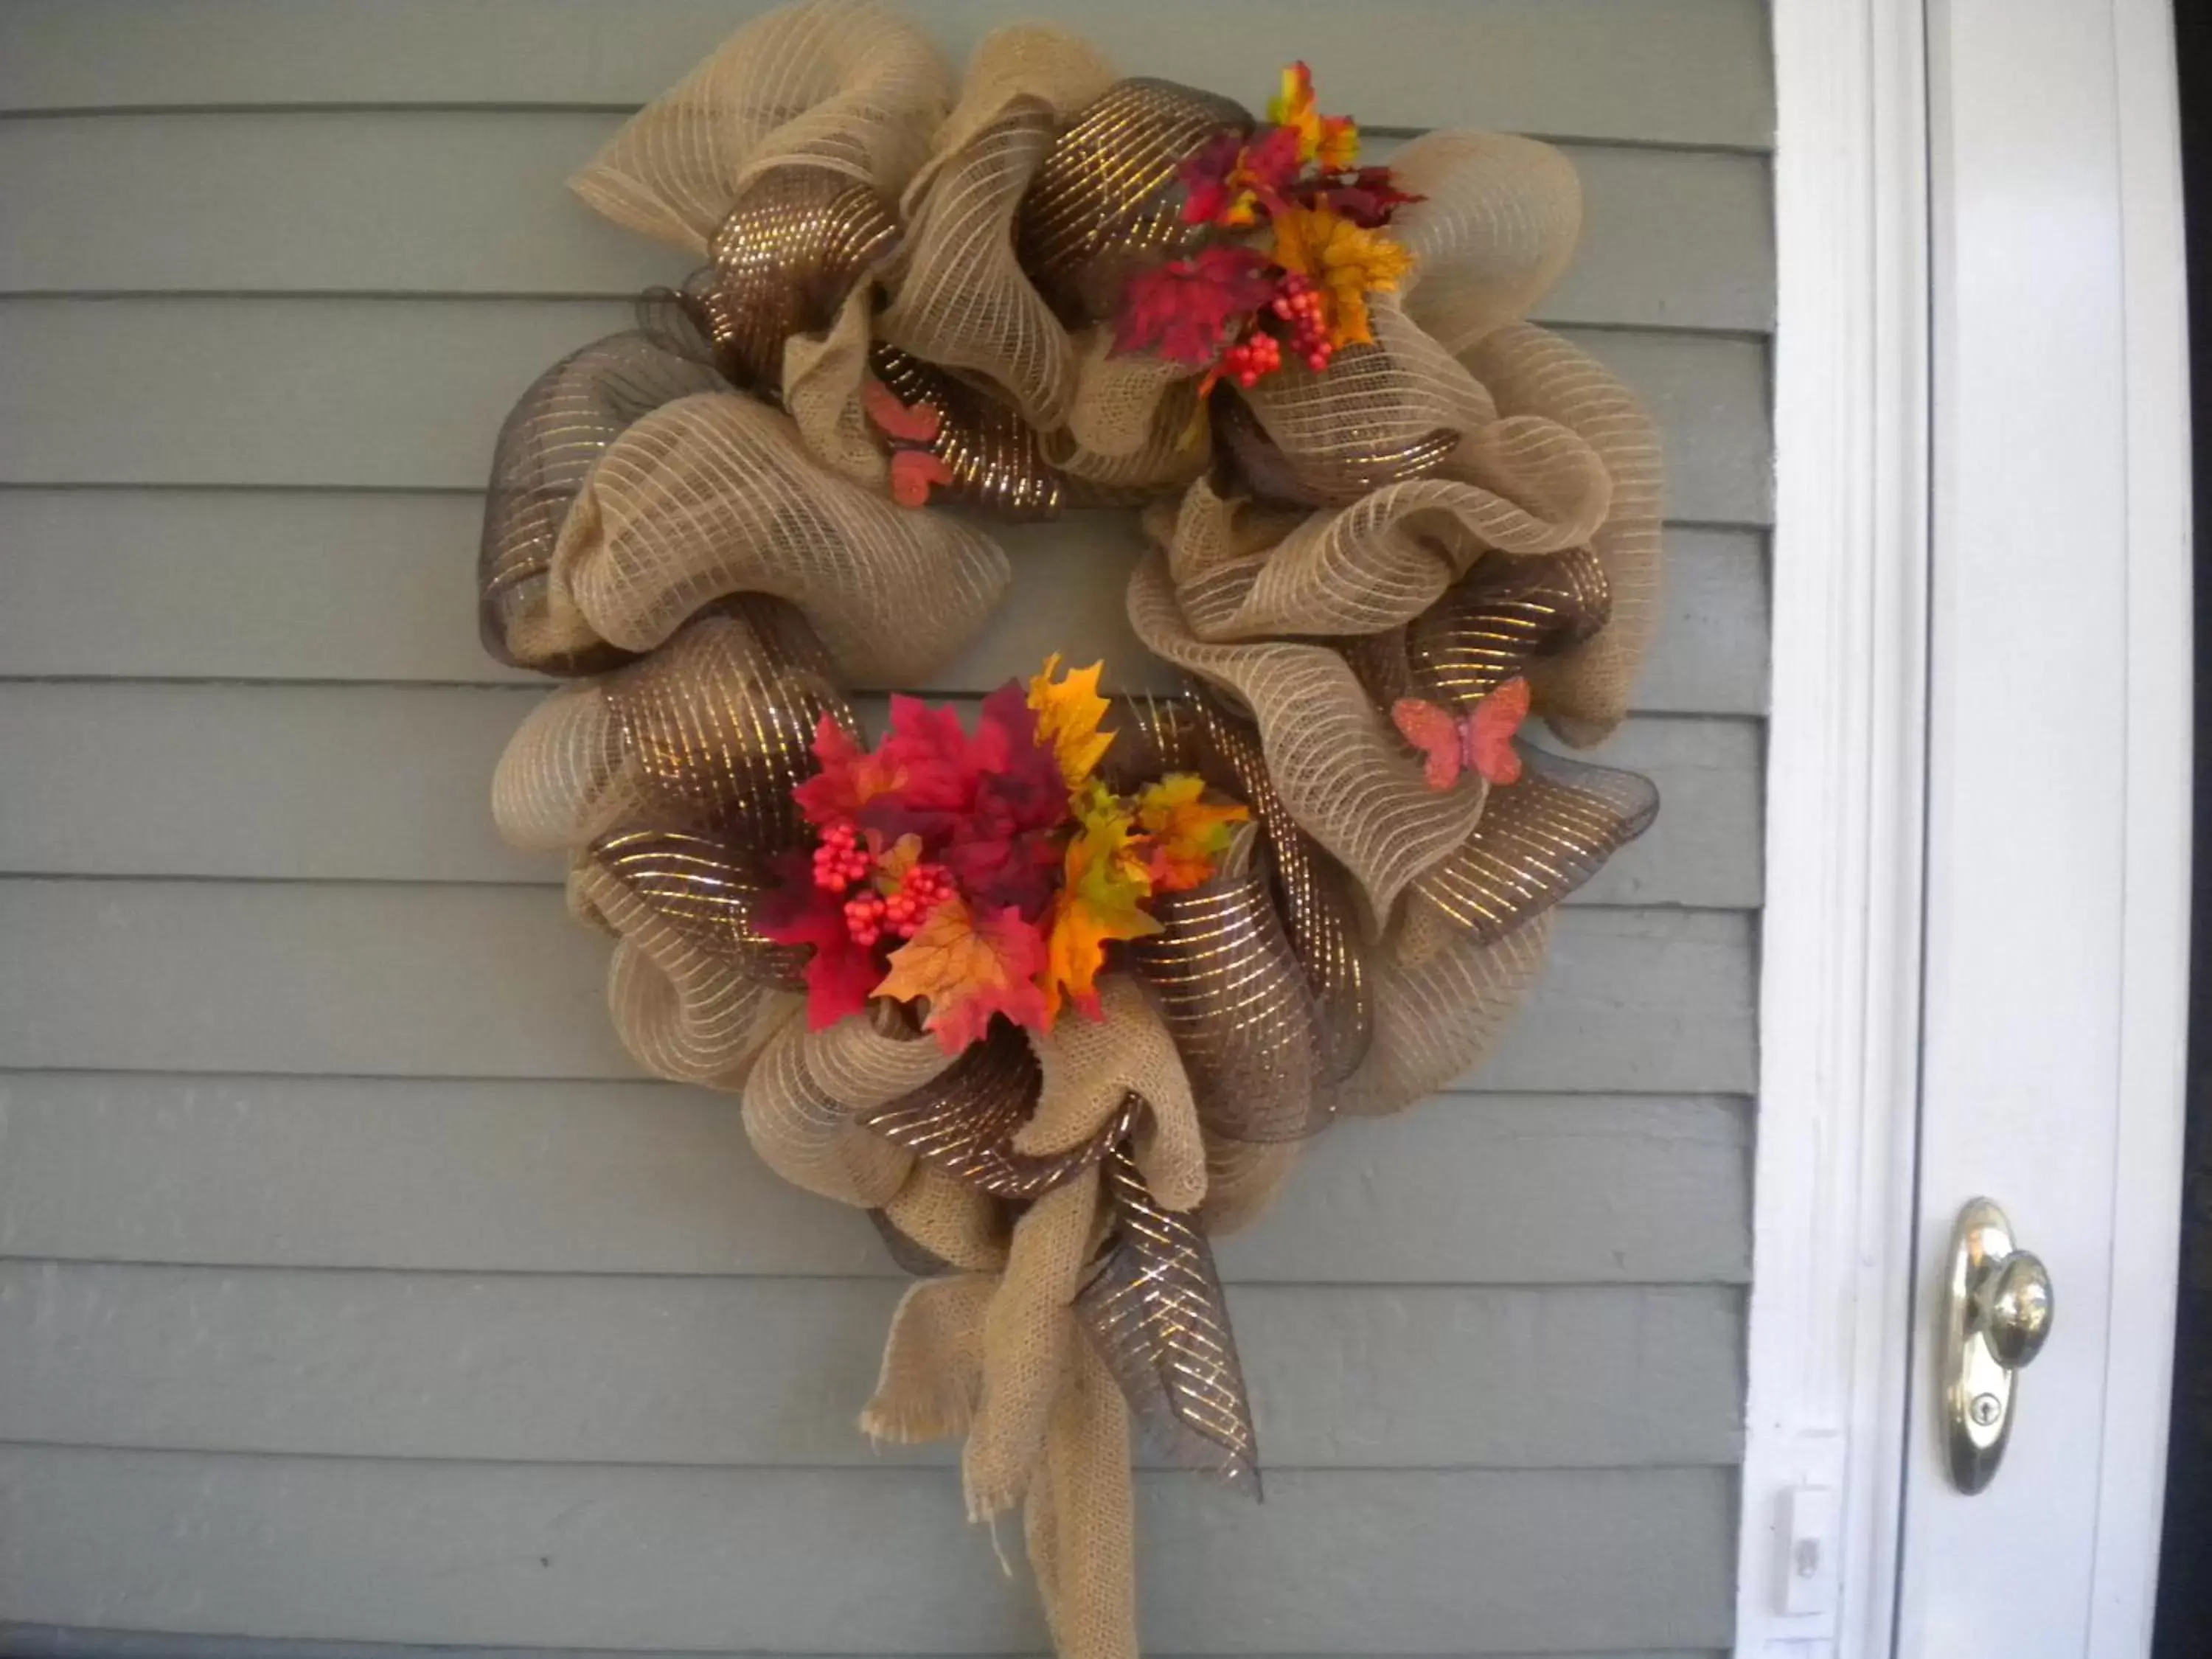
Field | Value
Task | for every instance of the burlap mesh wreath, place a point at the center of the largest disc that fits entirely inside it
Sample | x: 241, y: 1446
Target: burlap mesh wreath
x: 914, y: 295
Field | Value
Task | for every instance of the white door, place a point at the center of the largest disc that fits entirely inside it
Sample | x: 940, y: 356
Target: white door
x: 1978, y: 844
x: 2054, y: 1018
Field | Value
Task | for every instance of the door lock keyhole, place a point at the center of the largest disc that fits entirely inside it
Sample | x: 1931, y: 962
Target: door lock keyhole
x: 1998, y: 1314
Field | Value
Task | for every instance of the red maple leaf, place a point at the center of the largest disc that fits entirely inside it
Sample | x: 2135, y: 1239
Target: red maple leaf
x: 989, y: 807
x: 1267, y: 167
x: 850, y: 776
x: 1014, y: 872
x: 1187, y: 310
x: 1019, y: 780
x: 927, y: 749
x: 841, y: 974
x: 1206, y: 178
x: 1367, y: 197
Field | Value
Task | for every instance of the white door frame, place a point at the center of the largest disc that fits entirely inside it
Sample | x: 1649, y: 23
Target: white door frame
x: 1835, y: 1256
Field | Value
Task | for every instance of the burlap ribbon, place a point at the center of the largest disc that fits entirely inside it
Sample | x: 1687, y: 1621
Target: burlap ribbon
x: 693, y: 520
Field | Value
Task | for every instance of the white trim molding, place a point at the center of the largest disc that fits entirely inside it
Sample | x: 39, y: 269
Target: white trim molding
x: 1830, y: 1314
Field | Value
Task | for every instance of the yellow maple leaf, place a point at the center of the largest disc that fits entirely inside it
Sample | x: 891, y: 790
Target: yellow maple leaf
x: 1183, y: 833
x: 1068, y: 711
x: 968, y: 967
x: 1330, y: 141
x: 1347, y: 262
x: 1103, y: 888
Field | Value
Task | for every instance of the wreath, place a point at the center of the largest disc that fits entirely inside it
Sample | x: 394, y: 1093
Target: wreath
x: 1057, y: 993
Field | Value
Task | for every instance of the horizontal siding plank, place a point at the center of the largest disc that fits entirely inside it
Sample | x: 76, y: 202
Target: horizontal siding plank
x: 408, y: 394
x: 773, y: 1372
x: 461, y: 202
x: 57, y: 1642
x: 271, y: 584
x: 390, y: 783
x: 651, y: 1178
x: 1391, y: 1562
x: 402, y: 981
x: 1692, y: 71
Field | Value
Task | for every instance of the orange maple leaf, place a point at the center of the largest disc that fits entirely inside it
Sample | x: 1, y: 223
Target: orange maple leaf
x: 893, y: 860
x: 1104, y: 885
x: 1183, y: 833
x: 1068, y: 711
x: 967, y: 968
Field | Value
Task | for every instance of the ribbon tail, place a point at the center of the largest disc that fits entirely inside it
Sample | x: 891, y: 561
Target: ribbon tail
x: 1157, y: 1319
x: 1080, y: 1519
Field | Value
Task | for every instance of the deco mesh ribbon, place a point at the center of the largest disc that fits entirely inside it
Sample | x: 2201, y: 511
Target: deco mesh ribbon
x: 698, y: 524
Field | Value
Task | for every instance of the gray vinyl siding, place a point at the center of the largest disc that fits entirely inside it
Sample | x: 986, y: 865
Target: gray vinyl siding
x: 357, y: 1296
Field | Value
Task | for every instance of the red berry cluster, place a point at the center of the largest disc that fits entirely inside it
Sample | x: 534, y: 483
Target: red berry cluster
x: 869, y: 916
x: 1257, y: 354
x: 840, y: 859
x: 926, y: 887
x: 843, y: 861
x: 1294, y: 320
x: 1297, y: 302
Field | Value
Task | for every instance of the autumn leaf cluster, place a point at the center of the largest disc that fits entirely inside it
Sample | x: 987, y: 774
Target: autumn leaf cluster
x: 1296, y: 214
x: 976, y: 874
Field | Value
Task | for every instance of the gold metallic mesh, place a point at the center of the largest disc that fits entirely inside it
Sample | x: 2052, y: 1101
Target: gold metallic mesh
x: 1311, y: 890
x: 701, y: 891
x: 1107, y: 198
x: 1233, y: 996
x: 1196, y: 731
x: 721, y: 726
x: 1342, y: 477
x: 709, y: 733
x: 995, y: 455
x: 1154, y: 1310
x: 1152, y: 736
x: 677, y: 321
x: 964, y: 1122
x: 1539, y: 839
x: 550, y: 443
x: 1490, y: 627
x: 785, y: 258
x: 1507, y: 611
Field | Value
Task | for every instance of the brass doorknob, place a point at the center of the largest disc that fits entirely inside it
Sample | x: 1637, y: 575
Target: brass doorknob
x: 1997, y: 1315
x: 2012, y: 1308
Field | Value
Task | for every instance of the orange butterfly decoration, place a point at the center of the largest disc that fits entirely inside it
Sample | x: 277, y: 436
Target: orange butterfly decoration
x: 1480, y: 742
x: 915, y: 469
